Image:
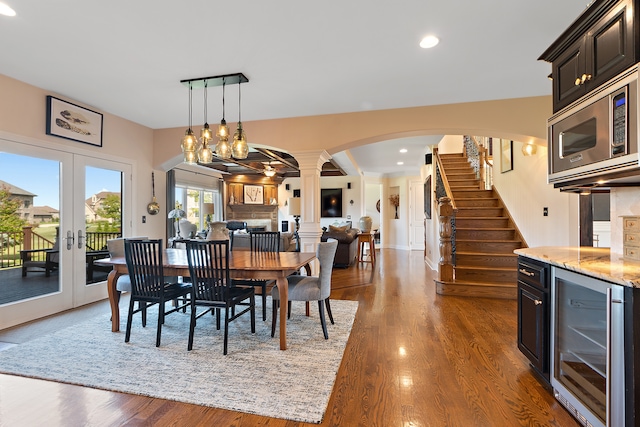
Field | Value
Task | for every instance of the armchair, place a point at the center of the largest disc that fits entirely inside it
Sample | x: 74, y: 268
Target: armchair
x: 42, y: 259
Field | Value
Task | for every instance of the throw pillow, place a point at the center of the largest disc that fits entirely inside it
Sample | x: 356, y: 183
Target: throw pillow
x: 341, y: 229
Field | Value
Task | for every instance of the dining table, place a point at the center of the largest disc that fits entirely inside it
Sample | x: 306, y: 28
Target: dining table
x: 242, y: 265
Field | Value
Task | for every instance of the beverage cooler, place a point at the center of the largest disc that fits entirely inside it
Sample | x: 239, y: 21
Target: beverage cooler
x: 587, y: 344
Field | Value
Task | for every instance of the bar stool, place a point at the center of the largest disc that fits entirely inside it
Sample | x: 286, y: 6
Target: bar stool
x: 367, y: 238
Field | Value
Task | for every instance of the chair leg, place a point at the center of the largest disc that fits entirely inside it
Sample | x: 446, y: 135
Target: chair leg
x: 289, y: 310
x: 253, y: 312
x: 326, y: 302
x: 143, y: 305
x: 218, y: 318
x: 127, y: 335
x: 226, y: 329
x: 160, y: 322
x: 323, y: 321
x: 264, y: 301
x: 274, y: 316
x: 192, y: 327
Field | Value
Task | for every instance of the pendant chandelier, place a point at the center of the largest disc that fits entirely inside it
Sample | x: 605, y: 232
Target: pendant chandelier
x: 195, y: 151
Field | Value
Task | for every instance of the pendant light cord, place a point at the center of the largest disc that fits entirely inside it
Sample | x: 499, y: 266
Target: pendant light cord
x: 190, y: 103
x: 223, y: 84
x: 239, y: 103
x: 205, y: 101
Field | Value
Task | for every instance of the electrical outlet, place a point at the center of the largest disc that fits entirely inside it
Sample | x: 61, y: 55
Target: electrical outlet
x: 144, y: 219
x: 545, y: 211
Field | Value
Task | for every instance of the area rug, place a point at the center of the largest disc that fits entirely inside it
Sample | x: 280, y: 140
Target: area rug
x: 255, y: 377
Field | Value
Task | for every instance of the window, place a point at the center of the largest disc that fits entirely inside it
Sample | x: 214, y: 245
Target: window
x: 192, y: 199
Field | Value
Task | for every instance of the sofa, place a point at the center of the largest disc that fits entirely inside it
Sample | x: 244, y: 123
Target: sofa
x: 347, y: 238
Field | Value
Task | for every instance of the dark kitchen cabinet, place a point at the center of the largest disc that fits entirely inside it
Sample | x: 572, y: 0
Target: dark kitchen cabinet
x: 534, y: 314
x: 599, y: 45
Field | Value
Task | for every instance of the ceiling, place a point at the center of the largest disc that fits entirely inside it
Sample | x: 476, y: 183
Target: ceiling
x: 301, y: 58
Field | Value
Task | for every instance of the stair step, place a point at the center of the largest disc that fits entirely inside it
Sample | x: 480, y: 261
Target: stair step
x: 485, y: 234
x: 473, y: 194
x: 461, y: 174
x: 480, y: 211
x: 491, y: 246
x: 486, y: 274
x: 482, y: 222
x: 477, y: 202
x: 485, y: 259
x: 477, y: 289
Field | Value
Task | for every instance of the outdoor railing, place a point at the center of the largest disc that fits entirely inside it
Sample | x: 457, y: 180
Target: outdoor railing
x: 12, y: 243
x: 97, y: 240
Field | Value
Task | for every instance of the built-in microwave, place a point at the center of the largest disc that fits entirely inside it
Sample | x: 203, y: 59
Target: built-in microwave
x: 598, y: 134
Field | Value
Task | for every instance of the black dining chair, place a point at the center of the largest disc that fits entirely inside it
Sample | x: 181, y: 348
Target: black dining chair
x: 148, y: 285
x: 209, y: 270
x: 261, y: 241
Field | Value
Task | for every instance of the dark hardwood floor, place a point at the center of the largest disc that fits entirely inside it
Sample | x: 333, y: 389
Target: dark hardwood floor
x: 414, y: 358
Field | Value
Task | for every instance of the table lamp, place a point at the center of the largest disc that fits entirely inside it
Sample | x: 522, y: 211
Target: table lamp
x: 177, y: 214
x: 294, y: 210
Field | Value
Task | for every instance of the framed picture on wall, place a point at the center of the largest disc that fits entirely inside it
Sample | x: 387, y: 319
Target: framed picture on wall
x: 71, y: 121
x: 253, y: 195
x: 427, y: 197
x: 506, y: 155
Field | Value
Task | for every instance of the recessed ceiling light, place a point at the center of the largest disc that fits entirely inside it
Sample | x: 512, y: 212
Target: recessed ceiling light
x: 6, y: 10
x: 403, y: 150
x: 400, y: 163
x: 429, y: 41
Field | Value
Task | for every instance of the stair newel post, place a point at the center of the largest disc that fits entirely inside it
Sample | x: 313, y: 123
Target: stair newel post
x: 445, y: 265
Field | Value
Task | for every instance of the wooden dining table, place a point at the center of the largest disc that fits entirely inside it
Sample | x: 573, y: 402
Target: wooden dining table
x: 242, y: 265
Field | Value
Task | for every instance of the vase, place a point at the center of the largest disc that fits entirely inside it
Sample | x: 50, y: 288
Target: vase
x: 396, y: 213
x: 218, y: 231
x: 365, y: 224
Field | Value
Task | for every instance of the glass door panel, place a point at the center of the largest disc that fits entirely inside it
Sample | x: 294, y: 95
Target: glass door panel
x: 34, y: 221
x: 100, y: 216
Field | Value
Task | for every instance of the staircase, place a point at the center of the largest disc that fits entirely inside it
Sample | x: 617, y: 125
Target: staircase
x: 485, y: 237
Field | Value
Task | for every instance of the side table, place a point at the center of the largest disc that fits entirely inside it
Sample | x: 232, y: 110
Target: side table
x: 367, y: 238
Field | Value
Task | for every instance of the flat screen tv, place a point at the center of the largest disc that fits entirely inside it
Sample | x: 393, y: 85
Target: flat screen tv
x: 331, y: 202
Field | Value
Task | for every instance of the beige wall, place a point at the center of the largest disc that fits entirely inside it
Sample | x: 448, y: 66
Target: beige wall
x: 522, y: 119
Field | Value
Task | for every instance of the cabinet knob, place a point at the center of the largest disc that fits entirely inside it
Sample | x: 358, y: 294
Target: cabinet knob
x: 537, y: 302
x: 584, y: 78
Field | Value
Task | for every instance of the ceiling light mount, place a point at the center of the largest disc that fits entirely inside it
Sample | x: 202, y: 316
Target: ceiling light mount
x: 202, y: 153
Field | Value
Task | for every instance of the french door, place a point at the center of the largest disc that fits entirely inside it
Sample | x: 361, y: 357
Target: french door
x: 57, y: 191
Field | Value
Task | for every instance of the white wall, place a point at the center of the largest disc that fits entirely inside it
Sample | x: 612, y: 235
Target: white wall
x: 525, y: 192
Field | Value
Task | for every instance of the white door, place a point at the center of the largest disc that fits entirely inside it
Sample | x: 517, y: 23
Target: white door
x: 416, y: 215
x: 103, y: 195
x: 50, y: 188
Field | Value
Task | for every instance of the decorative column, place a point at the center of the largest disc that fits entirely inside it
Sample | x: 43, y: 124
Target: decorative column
x: 310, y: 164
x: 445, y: 265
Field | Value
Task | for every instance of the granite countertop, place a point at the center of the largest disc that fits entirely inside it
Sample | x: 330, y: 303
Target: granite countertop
x: 595, y: 262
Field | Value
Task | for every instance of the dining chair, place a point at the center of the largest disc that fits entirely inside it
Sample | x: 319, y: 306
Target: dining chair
x: 209, y: 270
x: 148, y: 285
x: 261, y: 241
x: 311, y: 288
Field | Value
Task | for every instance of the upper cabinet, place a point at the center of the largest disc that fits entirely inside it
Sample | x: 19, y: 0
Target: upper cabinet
x: 600, y: 44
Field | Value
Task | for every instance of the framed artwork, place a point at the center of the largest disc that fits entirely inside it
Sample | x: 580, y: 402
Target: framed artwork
x: 506, y: 155
x: 427, y: 197
x: 71, y: 121
x: 253, y: 195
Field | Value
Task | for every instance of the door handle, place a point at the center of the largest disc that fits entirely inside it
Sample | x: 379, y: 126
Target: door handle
x: 69, y: 240
x: 81, y: 239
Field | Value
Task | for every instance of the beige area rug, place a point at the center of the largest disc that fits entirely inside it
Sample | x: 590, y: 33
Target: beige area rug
x: 255, y: 377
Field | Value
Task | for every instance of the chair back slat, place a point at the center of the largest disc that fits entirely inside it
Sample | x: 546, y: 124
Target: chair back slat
x: 144, y: 263
x: 209, y: 269
x: 265, y: 241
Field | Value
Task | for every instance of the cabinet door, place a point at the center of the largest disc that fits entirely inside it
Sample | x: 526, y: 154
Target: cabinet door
x: 610, y: 45
x: 571, y: 65
x: 533, y: 326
